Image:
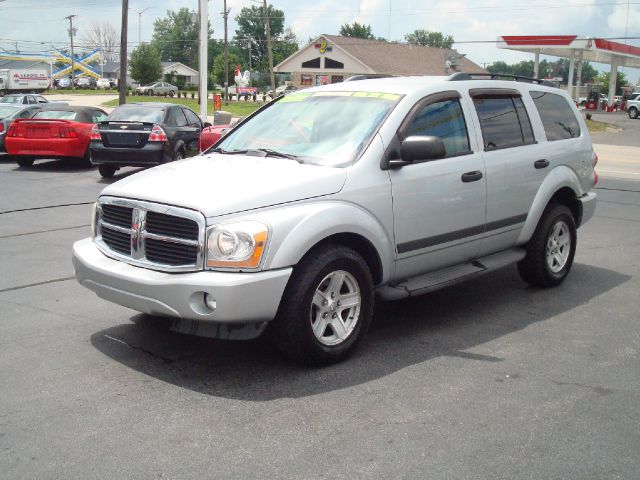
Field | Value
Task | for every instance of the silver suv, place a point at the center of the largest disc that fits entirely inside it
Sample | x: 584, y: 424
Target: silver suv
x: 328, y: 198
x: 633, y: 105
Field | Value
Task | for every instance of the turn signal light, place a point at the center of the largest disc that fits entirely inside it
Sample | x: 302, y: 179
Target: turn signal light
x: 157, y: 134
x: 67, y: 132
x: 1, y: 127
x: 95, y: 133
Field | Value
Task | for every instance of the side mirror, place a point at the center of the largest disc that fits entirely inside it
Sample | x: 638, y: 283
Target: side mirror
x: 206, y: 124
x: 417, y: 149
x: 422, y: 149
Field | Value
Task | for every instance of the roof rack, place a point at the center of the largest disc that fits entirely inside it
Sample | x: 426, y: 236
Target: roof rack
x: 367, y: 77
x: 498, y: 76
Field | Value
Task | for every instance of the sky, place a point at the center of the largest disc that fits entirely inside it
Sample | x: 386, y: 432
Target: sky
x: 475, y: 24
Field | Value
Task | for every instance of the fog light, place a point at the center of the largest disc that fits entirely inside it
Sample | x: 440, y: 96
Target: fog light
x: 210, y: 302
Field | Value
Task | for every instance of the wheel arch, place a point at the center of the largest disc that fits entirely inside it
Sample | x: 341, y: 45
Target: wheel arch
x: 361, y: 245
x: 299, y: 230
x: 562, y: 186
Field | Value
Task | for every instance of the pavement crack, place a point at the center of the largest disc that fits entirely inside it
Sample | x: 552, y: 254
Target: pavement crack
x: 595, y: 388
x: 140, y: 349
x: 46, y: 282
x: 44, y: 231
x: 45, y: 207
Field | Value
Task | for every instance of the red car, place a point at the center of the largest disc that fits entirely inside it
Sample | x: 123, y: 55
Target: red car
x: 210, y: 135
x: 57, y: 131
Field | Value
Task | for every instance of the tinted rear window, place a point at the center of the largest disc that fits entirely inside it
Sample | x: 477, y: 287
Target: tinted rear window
x: 557, y: 116
x: 151, y: 115
x: 504, y: 121
x: 59, y: 114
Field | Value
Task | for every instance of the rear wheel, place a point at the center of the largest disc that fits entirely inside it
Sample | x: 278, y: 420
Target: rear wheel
x: 24, y: 161
x: 107, y: 171
x: 551, y: 250
x: 85, y: 160
x: 326, y: 308
x: 172, y: 93
x: 179, y: 155
x: 151, y: 92
x: 633, y: 112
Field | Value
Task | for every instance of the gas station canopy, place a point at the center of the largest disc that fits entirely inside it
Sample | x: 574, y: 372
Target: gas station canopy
x: 582, y: 49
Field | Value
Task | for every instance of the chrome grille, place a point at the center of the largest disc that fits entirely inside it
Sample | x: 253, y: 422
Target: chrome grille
x: 151, y: 235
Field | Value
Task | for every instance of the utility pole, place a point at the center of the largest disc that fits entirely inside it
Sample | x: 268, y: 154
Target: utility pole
x: 122, y: 86
x: 225, y: 15
x: 72, y: 32
x: 268, y: 29
x: 202, y: 59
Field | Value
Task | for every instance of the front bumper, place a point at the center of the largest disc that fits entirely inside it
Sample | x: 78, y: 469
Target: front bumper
x: 588, y: 202
x: 239, y: 297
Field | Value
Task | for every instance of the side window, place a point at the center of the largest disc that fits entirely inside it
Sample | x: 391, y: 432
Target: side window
x: 26, y: 113
x: 41, y: 99
x: 98, y: 116
x: 443, y: 119
x: 177, y: 118
x: 504, y: 121
x: 192, y: 118
x: 557, y: 116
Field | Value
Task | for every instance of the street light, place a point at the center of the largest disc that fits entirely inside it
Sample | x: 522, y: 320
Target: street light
x: 139, y: 19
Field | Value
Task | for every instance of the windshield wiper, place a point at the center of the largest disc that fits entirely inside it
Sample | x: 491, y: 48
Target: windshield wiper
x: 267, y: 152
x: 274, y: 153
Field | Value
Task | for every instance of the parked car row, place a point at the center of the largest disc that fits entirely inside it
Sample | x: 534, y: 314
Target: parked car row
x: 138, y: 134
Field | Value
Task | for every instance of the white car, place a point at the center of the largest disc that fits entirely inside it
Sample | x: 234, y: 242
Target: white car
x: 105, y: 83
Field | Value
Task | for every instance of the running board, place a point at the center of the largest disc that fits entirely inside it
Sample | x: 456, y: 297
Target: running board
x: 445, y: 277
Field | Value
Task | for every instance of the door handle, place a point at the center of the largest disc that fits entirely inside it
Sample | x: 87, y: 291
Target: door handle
x: 471, y: 176
x: 544, y: 163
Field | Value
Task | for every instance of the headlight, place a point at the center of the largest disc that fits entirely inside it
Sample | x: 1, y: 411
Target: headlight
x: 237, y: 244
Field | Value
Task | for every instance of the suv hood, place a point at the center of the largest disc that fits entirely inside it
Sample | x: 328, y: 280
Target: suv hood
x: 218, y: 184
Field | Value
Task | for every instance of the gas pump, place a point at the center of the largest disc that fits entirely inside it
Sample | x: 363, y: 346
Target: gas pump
x: 593, y: 96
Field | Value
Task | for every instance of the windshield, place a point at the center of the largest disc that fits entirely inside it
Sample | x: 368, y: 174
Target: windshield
x: 7, y: 111
x: 10, y: 99
x: 324, y: 128
x: 141, y: 114
x: 58, y: 114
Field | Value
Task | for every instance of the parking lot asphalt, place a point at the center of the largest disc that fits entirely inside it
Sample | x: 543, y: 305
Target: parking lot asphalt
x: 487, y: 379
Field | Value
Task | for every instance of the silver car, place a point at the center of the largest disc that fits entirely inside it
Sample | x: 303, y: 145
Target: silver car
x: 157, y: 88
x: 333, y: 196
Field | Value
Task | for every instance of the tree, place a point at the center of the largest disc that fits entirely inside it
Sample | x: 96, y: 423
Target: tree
x: 559, y: 68
x: 251, y: 31
x: 621, y: 81
x: 218, y: 68
x: 104, y: 37
x: 145, y: 64
x: 176, y: 37
x: 357, y: 30
x: 429, y: 39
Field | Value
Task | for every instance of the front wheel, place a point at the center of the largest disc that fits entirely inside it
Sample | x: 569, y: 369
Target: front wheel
x: 24, y: 162
x: 172, y: 93
x: 326, y: 308
x: 633, y: 112
x: 551, y: 249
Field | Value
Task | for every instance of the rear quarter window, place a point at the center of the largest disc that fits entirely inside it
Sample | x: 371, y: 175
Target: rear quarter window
x: 58, y: 114
x: 558, y: 118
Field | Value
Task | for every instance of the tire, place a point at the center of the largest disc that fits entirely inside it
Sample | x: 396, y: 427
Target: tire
x: 150, y: 93
x: 107, y: 171
x: 633, y: 112
x: 24, y: 162
x: 85, y: 161
x: 172, y: 93
x: 551, y: 249
x: 179, y: 155
x: 304, y: 329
